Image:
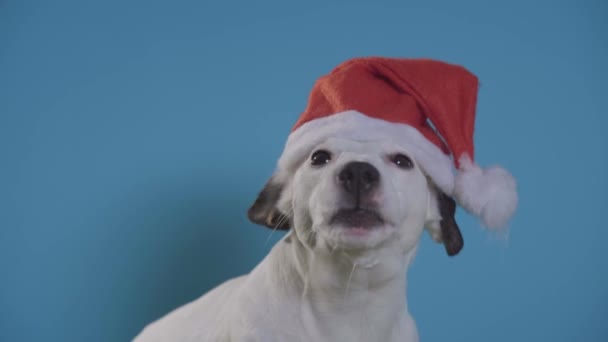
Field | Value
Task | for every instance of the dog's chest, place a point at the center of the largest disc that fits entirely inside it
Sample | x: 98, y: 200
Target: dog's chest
x: 296, y: 317
x: 326, y: 329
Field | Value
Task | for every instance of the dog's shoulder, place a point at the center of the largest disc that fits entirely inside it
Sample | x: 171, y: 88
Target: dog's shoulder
x: 204, y: 319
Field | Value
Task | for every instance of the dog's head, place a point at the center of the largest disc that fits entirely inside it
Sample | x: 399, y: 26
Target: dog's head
x: 354, y: 195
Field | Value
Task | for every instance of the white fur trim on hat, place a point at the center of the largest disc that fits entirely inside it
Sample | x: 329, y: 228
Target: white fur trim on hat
x: 355, y: 125
x: 489, y: 193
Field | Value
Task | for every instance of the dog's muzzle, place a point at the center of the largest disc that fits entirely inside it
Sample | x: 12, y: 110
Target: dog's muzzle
x: 358, y: 178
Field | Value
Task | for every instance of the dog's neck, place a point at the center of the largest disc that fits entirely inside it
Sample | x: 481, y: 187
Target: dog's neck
x: 358, y: 293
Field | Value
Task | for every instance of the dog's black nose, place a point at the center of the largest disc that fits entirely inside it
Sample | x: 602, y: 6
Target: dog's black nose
x: 359, y: 177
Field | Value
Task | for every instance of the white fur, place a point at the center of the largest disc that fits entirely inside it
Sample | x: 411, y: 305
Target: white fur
x: 490, y: 193
x: 321, y: 283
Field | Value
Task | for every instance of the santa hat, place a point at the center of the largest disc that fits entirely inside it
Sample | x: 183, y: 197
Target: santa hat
x: 424, y: 105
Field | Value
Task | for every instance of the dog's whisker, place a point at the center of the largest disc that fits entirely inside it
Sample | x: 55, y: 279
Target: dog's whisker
x: 270, y: 235
x: 306, y: 280
x: 306, y: 284
x: 350, y: 276
x: 309, y: 234
x: 282, y: 219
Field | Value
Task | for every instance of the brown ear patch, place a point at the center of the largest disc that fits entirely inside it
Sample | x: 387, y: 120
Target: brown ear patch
x: 264, y: 211
x: 451, y: 236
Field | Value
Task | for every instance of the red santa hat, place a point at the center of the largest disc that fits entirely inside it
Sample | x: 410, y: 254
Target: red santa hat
x: 426, y: 106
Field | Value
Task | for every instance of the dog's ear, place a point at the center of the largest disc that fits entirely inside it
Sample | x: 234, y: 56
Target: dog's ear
x: 442, y: 225
x: 450, y: 233
x: 264, y: 210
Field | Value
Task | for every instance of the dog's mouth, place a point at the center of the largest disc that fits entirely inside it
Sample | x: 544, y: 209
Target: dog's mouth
x: 357, y: 218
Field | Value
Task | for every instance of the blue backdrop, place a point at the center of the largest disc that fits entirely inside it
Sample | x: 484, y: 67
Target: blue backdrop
x: 134, y: 135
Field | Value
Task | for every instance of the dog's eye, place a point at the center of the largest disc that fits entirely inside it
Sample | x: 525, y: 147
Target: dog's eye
x: 402, y: 161
x: 320, y: 157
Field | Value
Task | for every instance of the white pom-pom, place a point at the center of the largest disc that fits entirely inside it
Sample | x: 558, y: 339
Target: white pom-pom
x: 490, y: 194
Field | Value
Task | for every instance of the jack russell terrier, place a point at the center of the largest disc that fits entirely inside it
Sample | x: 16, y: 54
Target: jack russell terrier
x: 362, y: 176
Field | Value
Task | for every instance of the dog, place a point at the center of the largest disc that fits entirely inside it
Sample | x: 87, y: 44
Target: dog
x: 355, y: 212
x: 368, y: 166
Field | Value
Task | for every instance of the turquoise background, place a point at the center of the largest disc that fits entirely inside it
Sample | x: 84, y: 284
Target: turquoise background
x: 135, y: 134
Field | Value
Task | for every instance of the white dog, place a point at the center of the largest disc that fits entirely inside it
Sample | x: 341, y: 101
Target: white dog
x: 367, y: 167
x: 357, y: 210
